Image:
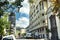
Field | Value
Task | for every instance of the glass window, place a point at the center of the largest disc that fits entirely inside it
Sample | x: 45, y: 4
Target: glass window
x: 43, y: 36
x: 7, y: 39
x: 42, y: 14
x: 37, y: 11
x: 37, y: 7
x: 42, y: 29
x: 43, y: 21
x: 34, y: 10
x: 42, y: 6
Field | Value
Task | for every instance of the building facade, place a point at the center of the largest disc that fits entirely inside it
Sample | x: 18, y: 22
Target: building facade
x: 53, y: 21
x: 42, y: 18
x: 38, y: 18
x: 12, y: 21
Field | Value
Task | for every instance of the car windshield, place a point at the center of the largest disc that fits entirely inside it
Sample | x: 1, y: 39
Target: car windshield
x: 7, y: 39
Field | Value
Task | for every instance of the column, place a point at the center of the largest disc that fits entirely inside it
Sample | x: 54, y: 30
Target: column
x: 53, y: 28
x: 58, y: 25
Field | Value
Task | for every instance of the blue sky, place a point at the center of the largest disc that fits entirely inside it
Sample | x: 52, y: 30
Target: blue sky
x: 19, y: 15
x: 22, y: 18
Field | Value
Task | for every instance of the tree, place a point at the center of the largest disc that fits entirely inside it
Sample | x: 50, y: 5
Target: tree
x: 4, y: 24
x: 1, y: 26
x: 1, y: 5
x: 3, y: 20
x: 31, y: 1
x: 56, y: 8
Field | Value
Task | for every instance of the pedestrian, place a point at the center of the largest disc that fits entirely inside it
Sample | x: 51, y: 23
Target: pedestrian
x: 19, y: 35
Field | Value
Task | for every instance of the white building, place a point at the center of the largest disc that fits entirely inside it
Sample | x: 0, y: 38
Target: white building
x: 38, y: 18
x: 42, y: 17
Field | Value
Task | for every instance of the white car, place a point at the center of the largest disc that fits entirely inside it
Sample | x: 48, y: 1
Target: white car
x: 9, y: 37
x: 28, y: 34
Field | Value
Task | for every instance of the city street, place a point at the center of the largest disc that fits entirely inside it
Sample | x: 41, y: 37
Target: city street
x: 30, y: 39
x: 29, y: 19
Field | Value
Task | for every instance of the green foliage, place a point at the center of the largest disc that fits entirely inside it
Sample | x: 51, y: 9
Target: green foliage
x: 4, y: 24
x: 31, y: 1
x: 4, y: 3
x: 1, y: 12
x: 56, y: 6
x: 17, y: 3
x: 1, y: 26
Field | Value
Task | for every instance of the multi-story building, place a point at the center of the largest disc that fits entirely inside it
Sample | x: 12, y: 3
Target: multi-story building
x: 38, y: 18
x: 40, y: 14
x: 12, y: 20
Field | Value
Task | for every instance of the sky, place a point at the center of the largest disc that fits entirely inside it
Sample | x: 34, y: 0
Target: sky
x: 22, y: 17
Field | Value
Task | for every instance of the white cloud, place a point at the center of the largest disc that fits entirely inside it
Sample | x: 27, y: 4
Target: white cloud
x: 11, y: 1
x: 22, y: 22
x: 25, y: 8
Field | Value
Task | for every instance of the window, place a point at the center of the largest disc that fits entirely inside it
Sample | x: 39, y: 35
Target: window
x: 37, y: 7
x: 34, y: 10
x: 42, y: 5
x: 37, y: 11
x: 33, y: 6
x: 42, y: 29
x: 32, y: 13
x: 38, y: 16
x: 43, y: 36
x: 42, y: 14
x: 43, y: 21
x: 38, y: 30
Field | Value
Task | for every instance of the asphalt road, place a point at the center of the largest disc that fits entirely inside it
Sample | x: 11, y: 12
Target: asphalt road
x: 29, y: 39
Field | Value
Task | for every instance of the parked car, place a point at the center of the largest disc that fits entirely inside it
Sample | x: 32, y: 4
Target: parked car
x: 28, y: 35
x: 9, y: 37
